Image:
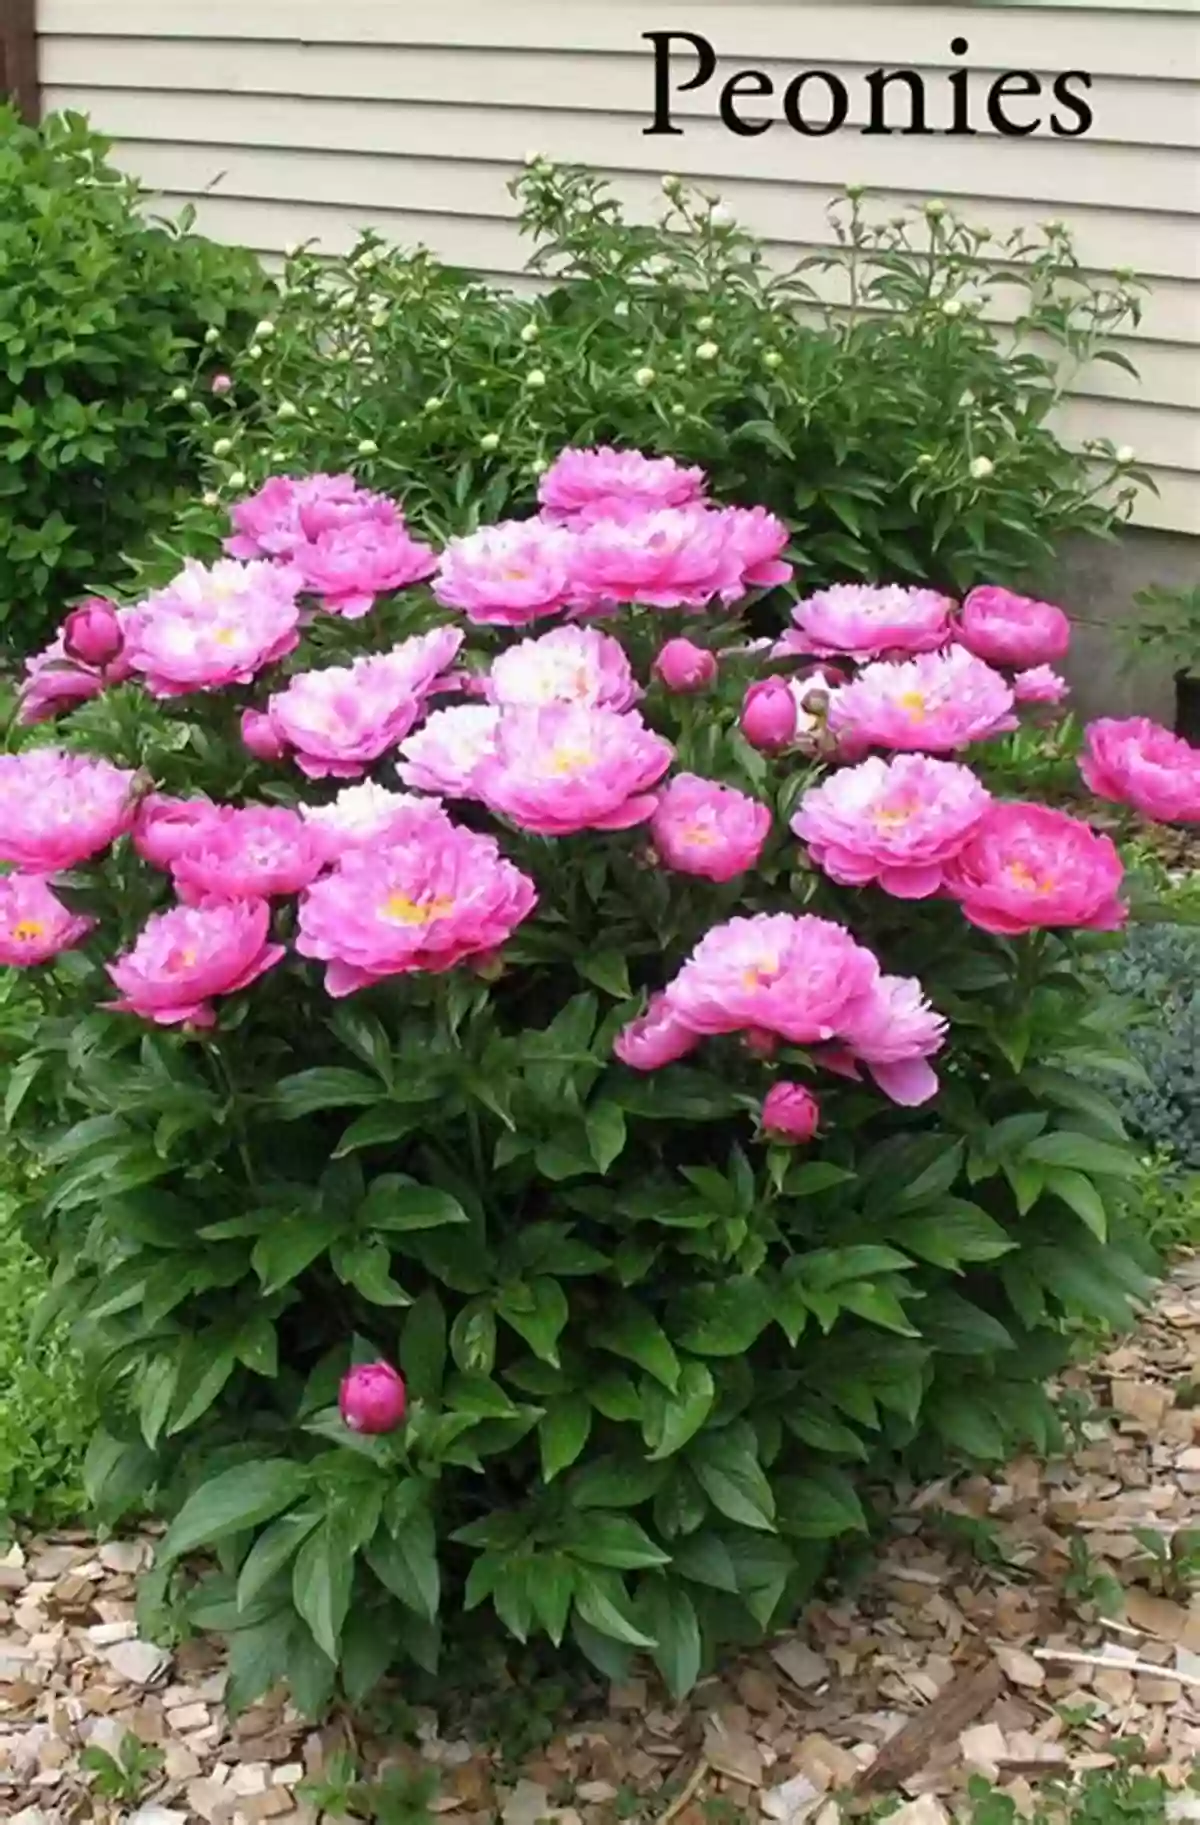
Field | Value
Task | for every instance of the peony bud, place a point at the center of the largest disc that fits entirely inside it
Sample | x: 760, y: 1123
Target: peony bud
x: 768, y: 719
x: 707, y: 351
x: 238, y: 479
x: 286, y: 409
x: 789, y: 1113
x: 489, y: 441
x: 92, y: 633
x: 371, y: 1398
x: 179, y: 394
x: 644, y: 377
x: 221, y: 383
x: 212, y: 334
x: 367, y: 447
x: 685, y: 667
x: 223, y: 446
x: 530, y: 332
x: 981, y: 468
x: 260, y: 736
x: 535, y: 379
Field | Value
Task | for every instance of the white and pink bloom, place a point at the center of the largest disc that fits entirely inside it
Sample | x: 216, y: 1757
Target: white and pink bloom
x: 795, y: 975
x: 757, y: 540
x: 186, y: 957
x: 270, y: 523
x: 933, y: 704
x: 340, y: 720
x: 254, y: 852
x: 166, y: 828
x: 601, y: 482
x: 1040, y: 684
x: 1008, y: 629
x: 702, y: 828
x: 1028, y: 866
x: 369, y: 816
x: 426, y: 904
x: 677, y: 557
x: 349, y: 565
x: 894, y: 1032
x: 507, y: 574
x: 1136, y: 762
x: 34, y: 924
x: 864, y: 620
x: 59, y: 809
x: 566, y: 768
x: 898, y: 822
x: 214, y: 626
x: 445, y: 754
x: 655, y: 1038
x: 567, y: 665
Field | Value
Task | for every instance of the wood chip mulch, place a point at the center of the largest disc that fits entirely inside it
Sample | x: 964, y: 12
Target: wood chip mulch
x: 1016, y: 1628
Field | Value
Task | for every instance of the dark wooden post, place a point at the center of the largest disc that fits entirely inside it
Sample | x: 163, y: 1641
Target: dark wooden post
x: 18, y: 56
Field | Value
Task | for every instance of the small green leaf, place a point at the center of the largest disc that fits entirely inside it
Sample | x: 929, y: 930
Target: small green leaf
x: 605, y: 1124
x: 407, y: 1564
x: 726, y: 1466
x: 614, y: 1540
x: 671, y: 1617
x: 323, y: 1087
x: 282, y: 1252
x: 1080, y: 1195
x: 670, y: 1420
x: 563, y: 1432
x: 602, y: 1602
x: 322, y: 1578
x: 628, y: 1330
x: 394, y: 1202
x: 272, y: 1550
x: 1086, y: 1154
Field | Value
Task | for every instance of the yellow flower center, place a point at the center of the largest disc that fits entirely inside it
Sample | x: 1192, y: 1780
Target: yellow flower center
x: 225, y: 636
x: 569, y: 760
x: 512, y: 575
x: 887, y: 816
x: 26, y: 930
x: 914, y: 703
x: 403, y: 911
x: 182, y: 959
x: 1023, y: 876
x: 761, y: 974
x: 703, y: 836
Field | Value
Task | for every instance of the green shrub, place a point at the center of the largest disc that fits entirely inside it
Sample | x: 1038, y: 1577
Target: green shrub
x: 103, y: 317
x: 900, y: 435
x: 1158, y: 969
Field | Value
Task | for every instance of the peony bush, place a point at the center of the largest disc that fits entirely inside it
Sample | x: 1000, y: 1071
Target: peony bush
x: 546, y: 1096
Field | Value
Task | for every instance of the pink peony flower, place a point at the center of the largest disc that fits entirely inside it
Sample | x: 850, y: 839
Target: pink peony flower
x: 897, y: 822
x: 677, y: 557
x: 260, y: 737
x: 769, y: 715
x: 702, y: 828
x: 1027, y: 866
x: 655, y: 1038
x: 604, y: 481
x: 268, y: 524
x: 57, y: 809
x: 249, y: 854
x: 789, y: 1113
x: 507, y: 574
x: 863, y: 621
x: 447, y: 751
x: 321, y: 513
x: 54, y: 684
x: 685, y: 668
x: 370, y: 817
x: 1040, y: 684
x: 214, y: 626
x: 757, y: 539
x: 1137, y: 762
x: 34, y: 923
x: 423, y: 904
x: 222, y: 383
x: 935, y: 704
x: 165, y: 828
x: 371, y: 1398
x: 569, y: 768
x: 185, y: 957
x: 568, y: 665
x: 350, y: 565
x: 342, y: 719
x: 1008, y: 629
x: 795, y: 975
x: 92, y: 633
x: 895, y: 1032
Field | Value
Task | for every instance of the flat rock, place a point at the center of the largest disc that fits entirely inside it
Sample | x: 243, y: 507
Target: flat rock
x: 137, y: 1662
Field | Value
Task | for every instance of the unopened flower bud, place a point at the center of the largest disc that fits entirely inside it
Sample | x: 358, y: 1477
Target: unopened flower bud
x: 260, y: 736
x: 212, y: 334
x: 952, y: 307
x: 92, y: 633
x: 264, y: 331
x: 707, y: 351
x: 981, y: 468
x: 221, y: 383
x: 179, y: 394
x: 772, y: 359
x: 768, y: 718
x: 530, y: 332
x: 789, y: 1113
x: 535, y: 379
x: 223, y: 446
x: 211, y: 498
x: 685, y: 668
x: 238, y: 479
x: 645, y: 377
x: 1126, y: 455
x: 367, y: 447
x: 489, y: 441
x: 372, y: 1398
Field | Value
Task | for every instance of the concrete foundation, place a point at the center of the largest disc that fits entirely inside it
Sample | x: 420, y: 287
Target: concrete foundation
x: 1096, y: 582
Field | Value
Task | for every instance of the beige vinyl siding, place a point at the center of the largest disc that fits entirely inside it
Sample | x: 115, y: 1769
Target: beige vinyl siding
x: 289, y: 120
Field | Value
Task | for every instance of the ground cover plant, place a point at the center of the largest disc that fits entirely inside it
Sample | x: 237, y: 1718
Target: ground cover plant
x: 901, y: 430
x: 536, y: 1123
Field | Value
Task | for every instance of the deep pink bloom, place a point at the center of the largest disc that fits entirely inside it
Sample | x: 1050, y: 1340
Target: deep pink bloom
x: 34, y: 923
x: 423, y: 904
x: 251, y: 853
x: 185, y: 957
x: 1040, y: 684
x: 55, y: 683
x: 567, y: 768
x: 368, y: 816
x: 507, y: 574
x: 897, y: 822
x: 769, y: 715
x: 92, y: 632
x: 758, y: 540
x: 685, y: 668
x: 350, y: 565
x: 371, y: 1398
x: 603, y: 481
x: 447, y: 751
x: 1027, y: 866
x: 795, y: 975
x: 57, y: 809
x: 935, y: 704
x: 214, y: 626
x: 1137, y: 762
x: 677, y: 557
x: 655, y: 1038
x: 895, y: 1033
x: 702, y: 828
x: 789, y: 1113
x: 864, y: 620
x: 268, y: 524
x: 166, y: 828
x: 260, y: 736
x: 568, y: 665
x: 342, y: 719
x: 1013, y: 630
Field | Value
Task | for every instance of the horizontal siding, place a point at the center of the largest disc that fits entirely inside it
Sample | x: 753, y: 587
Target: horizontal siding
x: 288, y: 120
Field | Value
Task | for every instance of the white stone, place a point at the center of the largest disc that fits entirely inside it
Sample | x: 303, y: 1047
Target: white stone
x: 792, y: 1802
x: 154, y: 1814
x: 123, y: 1555
x: 138, y: 1662
x: 104, y: 1634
